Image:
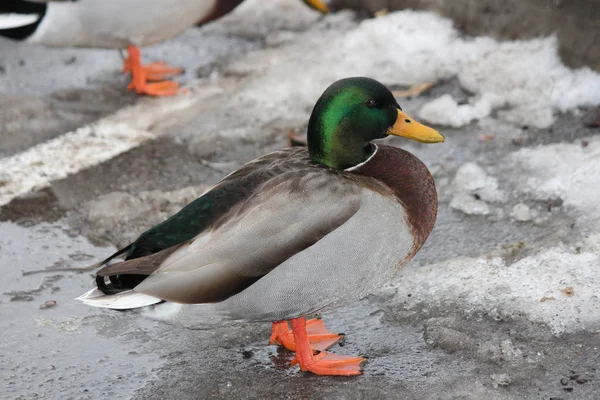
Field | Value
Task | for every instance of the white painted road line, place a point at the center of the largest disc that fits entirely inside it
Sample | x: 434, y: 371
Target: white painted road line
x: 90, y: 145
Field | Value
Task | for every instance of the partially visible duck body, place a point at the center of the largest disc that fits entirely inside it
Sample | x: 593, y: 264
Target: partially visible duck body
x: 112, y: 24
x: 293, y: 232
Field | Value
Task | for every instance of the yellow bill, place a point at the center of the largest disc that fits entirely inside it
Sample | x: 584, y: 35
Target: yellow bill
x: 407, y: 127
x: 317, y: 5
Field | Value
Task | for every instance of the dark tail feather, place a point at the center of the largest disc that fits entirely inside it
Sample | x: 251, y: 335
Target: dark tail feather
x: 24, y: 8
x: 128, y: 274
x: 115, y: 285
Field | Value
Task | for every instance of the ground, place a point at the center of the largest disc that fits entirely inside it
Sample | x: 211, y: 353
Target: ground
x: 501, y: 303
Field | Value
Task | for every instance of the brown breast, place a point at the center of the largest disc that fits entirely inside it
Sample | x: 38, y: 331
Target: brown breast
x: 412, y: 184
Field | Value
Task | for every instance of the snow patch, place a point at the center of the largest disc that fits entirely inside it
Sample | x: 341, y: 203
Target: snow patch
x: 468, y: 204
x: 471, y: 178
x: 410, y: 47
x: 557, y: 287
x: 522, y: 213
x: 590, y: 243
x: 568, y: 171
x: 446, y: 111
x: 473, y: 187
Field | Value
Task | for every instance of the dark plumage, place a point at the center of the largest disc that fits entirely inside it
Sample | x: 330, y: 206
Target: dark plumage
x: 22, y: 7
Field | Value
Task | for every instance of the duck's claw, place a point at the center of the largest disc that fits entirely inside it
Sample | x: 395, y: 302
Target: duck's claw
x: 326, y: 363
x: 319, y: 337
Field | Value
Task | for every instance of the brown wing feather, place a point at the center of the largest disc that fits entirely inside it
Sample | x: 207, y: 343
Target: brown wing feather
x: 200, y: 215
x: 139, y: 266
x: 292, y: 204
x: 287, y: 215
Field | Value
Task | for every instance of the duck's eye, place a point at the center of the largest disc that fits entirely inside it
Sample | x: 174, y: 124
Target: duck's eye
x: 372, y: 103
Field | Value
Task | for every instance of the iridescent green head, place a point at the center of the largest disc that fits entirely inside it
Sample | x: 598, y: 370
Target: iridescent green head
x: 351, y: 113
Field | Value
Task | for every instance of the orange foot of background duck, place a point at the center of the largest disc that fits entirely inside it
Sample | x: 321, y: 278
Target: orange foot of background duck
x: 156, y: 72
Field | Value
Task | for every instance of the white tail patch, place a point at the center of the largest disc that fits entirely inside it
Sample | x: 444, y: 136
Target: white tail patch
x: 9, y: 21
x: 120, y: 301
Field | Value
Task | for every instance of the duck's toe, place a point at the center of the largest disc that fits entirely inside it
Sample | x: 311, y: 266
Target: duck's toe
x: 156, y: 72
x: 326, y: 363
x: 319, y: 337
x: 164, y: 88
x: 282, y: 335
x: 160, y: 70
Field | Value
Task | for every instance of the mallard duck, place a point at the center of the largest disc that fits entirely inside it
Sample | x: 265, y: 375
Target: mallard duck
x: 293, y: 232
x: 115, y: 24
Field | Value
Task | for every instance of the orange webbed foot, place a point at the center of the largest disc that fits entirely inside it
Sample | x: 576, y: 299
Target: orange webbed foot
x: 319, y: 337
x: 160, y: 70
x: 164, y: 88
x: 326, y: 363
x: 141, y: 74
x: 323, y: 363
